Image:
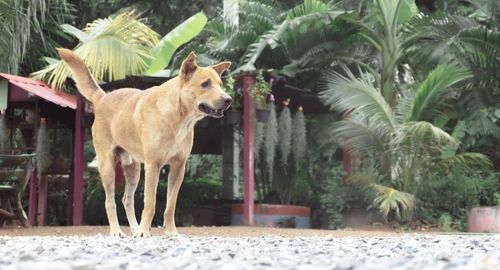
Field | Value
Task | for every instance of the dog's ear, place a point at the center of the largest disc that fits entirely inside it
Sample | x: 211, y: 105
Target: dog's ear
x: 188, y: 67
x: 221, y: 67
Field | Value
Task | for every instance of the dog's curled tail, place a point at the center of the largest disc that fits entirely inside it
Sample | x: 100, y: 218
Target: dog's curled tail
x: 85, y: 83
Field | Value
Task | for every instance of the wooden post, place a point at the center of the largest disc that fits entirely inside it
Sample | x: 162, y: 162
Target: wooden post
x: 32, y: 198
x: 78, y: 162
x: 230, y: 161
x: 248, y: 150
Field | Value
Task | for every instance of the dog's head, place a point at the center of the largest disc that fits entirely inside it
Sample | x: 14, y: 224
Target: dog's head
x: 203, y: 86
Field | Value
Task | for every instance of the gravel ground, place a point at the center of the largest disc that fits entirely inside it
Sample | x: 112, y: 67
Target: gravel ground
x: 405, y: 251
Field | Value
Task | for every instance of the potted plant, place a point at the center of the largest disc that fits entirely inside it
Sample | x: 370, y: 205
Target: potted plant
x: 483, y: 219
x: 281, y: 189
x: 261, y: 94
x: 233, y: 115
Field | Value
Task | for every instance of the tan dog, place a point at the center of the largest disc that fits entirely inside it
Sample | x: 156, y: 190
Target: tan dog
x: 154, y: 126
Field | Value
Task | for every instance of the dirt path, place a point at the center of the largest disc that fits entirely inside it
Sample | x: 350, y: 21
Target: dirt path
x: 233, y: 231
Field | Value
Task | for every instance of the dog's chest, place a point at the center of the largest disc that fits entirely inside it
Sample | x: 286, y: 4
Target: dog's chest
x: 183, y: 139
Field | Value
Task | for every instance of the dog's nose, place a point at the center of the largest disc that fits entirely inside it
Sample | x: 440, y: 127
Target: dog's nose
x: 227, y: 101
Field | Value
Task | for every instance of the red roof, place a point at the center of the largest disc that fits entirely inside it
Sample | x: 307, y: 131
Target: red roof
x: 42, y: 90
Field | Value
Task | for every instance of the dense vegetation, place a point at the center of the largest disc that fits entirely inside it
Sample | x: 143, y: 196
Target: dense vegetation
x: 413, y: 89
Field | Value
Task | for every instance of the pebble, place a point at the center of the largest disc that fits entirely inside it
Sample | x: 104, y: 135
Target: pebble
x: 408, y: 251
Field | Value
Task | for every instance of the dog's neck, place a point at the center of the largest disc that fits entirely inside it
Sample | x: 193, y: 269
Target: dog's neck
x: 172, y: 102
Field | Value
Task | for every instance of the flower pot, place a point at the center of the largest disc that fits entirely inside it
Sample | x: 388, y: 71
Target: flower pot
x: 274, y: 215
x: 262, y: 115
x: 232, y: 118
x: 484, y: 219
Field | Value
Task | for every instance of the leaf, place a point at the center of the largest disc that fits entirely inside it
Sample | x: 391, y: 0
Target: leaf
x: 116, y: 47
x: 430, y: 92
x: 183, y: 33
x: 81, y: 35
x: 388, y: 199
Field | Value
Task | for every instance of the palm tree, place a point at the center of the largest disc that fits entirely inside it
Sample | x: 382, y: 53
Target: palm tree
x: 29, y: 27
x: 257, y: 40
x: 470, y: 38
x: 122, y: 45
x: 398, y: 145
x: 390, y: 125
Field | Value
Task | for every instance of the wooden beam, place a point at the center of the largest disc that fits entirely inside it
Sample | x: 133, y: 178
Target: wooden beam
x: 77, y: 202
x: 32, y: 207
x: 248, y: 211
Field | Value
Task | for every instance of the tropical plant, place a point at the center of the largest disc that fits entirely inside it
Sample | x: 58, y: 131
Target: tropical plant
x: 469, y: 37
x: 29, y: 28
x: 260, y: 92
x: 122, y: 45
x: 269, y: 34
x: 397, y: 146
x: 299, y: 141
x: 235, y: 92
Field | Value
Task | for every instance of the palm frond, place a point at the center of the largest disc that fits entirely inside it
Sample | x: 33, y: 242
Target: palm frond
x: 467, y: 160
x: 272, y: 37
x: 117, y: 47
x: 308, y: 7
x: 423, y: 132
x: 26, y: 21
x: 357, y: 96
x: 390, y: 199
x: 430, y: 92
x: 362, y: 137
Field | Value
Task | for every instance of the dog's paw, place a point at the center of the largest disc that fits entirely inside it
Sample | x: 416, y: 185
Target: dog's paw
x: 134, y: 229
x: 172, y: 233
x: 118, y: 233
x: 140, y: 232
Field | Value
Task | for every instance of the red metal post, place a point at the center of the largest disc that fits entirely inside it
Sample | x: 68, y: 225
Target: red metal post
x: 42, y: 201
x: 32, y: 199
x: 78, y: 162
x: 248, y: 211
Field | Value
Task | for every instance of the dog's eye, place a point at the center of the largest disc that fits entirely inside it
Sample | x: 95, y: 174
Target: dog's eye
x: 205, y: 84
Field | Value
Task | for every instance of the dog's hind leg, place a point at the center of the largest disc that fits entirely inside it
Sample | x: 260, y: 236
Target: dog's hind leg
x: 106, y: 160
x: 132, y: 172
x: 175, y: 178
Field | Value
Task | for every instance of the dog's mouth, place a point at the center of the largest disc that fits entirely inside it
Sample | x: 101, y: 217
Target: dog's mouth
x: 212, y: 112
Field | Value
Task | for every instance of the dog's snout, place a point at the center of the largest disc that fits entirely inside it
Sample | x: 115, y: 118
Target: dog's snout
x: 227, y: 101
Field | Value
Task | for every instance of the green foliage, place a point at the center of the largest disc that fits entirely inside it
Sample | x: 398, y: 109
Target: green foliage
x: 445, y: 222
x: 453, y: 192
x: 183, y: 33
x: 109, y: 49
x: 391, y: 200
x: 235, y: 92
x: 260, y: 91
x: 333, y: 197
x: 285, y: 136
x: 29, y: 28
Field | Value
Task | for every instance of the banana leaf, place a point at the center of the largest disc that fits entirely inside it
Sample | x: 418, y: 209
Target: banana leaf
x: 183, y: 33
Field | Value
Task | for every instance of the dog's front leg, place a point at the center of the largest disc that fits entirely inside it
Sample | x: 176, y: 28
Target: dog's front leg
x: 150, y: 185
x: 175, y: 178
